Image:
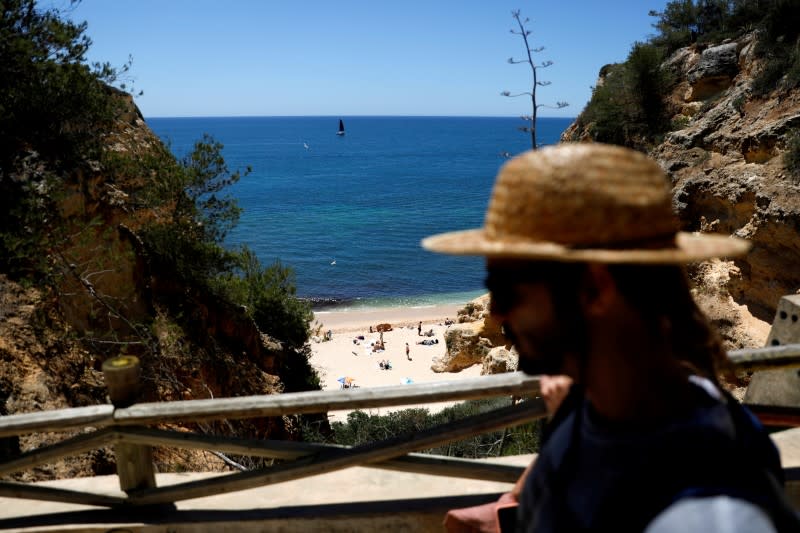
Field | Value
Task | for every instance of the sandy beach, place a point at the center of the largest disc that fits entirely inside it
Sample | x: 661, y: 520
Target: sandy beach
x: 346, y: 355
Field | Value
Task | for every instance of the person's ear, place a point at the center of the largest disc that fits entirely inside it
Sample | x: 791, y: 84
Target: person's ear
x: 599, y: 290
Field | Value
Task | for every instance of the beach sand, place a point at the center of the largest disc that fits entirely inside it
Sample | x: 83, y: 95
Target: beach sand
x: 340, y: 357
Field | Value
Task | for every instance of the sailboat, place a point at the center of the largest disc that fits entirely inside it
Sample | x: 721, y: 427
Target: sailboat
x: 341, y: 128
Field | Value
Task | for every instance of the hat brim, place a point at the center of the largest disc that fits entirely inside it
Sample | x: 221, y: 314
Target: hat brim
x: 688, y: 248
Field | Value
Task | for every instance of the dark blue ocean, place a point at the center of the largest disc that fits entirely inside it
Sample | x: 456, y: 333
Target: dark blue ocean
x: 363, y: 200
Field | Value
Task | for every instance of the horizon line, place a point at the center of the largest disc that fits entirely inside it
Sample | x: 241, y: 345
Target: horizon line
x: 350, y: 116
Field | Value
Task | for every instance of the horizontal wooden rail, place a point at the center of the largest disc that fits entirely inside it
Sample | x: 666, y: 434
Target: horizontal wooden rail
x: 57, y: 420
x: 98, y: 416
x: 122, y: 426
x: 509, y: 384
x: 333, y: 460
x: 421, y: 463
x: 512, y: 384
x: 37, y: 492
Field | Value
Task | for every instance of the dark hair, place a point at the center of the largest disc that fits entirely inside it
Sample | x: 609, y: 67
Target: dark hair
x: 662, y: 294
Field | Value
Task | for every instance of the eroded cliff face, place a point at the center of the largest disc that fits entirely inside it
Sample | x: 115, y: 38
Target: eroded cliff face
x: 726, y: 167
x: 725, y: 163
x: 727, y: 170
x: 104, y: 298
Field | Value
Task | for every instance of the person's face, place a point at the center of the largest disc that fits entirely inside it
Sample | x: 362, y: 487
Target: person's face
x: 522, y: 302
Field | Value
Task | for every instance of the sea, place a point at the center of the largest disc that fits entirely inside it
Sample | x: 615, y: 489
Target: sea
x: 347, y: 212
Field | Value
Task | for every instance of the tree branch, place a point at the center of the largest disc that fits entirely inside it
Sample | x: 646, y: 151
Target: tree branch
x: 525, y: 33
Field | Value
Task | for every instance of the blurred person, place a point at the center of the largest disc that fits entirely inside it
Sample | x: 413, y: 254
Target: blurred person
x: 584, y: 269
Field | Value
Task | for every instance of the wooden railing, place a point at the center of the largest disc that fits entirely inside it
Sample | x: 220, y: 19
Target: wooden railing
x: 125, y: 429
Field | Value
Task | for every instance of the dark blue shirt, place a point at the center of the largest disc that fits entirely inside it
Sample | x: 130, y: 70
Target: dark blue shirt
x: 595, y: 476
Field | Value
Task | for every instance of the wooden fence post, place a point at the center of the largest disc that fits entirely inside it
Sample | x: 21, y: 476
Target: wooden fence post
x: 134, y: 461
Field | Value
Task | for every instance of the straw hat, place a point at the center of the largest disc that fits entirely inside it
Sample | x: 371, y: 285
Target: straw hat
x: 584, y: 202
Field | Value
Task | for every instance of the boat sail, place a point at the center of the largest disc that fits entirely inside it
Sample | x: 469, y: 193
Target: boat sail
x: 341, y: 128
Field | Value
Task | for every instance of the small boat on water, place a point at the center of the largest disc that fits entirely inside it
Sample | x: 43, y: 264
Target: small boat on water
x: 341, y: 128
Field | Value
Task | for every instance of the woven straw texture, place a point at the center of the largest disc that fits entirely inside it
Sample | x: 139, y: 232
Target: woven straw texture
x: 584, y: 202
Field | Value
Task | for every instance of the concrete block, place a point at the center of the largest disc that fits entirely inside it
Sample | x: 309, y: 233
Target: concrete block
x: 779, y: 387
x: 786, y: 324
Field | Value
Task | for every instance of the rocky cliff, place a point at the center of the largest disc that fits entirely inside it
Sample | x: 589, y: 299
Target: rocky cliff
x: 727, y: 167
x: 725, y: 160
x: 104, y: 297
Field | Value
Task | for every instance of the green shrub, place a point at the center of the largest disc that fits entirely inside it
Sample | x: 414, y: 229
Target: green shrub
x: 683, y: 22
x: 769, y: 76
x: 186, y: 243
x: 679, y: 122
x: 791, y: 158
x: 649, y: 84
x: 792, y: 80
x: 56, y: 115
x: 269, y: 294
x: 52, y: 106
x: 51, y: 101
x: 676, y: 25
x: 362, y: 428
x: 738, y: 103
x: 779, y: 46
x: 629, y: 109
x: 604, y: 115
x: 25, y: 231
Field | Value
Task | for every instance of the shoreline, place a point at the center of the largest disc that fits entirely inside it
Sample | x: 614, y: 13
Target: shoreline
x: 348, y: 354
x: 354, y: 320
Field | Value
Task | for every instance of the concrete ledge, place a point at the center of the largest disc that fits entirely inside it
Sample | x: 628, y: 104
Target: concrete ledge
x: 354, y: 499
x: 394, y: 515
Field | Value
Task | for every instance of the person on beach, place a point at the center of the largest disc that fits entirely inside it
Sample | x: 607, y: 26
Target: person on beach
x: 419, y: 329
x: 584, y: 269
x: 408, y: 352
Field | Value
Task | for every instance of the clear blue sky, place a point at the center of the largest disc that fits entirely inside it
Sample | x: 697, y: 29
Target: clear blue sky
x: 358, y: 57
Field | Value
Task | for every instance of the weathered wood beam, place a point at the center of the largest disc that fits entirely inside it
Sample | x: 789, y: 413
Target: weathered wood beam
x: 439, y: 465
x: 514, y: 383
x: 420, y: 463
x: 72, y: 446
x: 37, y: 492
x: 135, y: 468
x: 273, y: 449
x: 333, y: 460
x: 57, y: 420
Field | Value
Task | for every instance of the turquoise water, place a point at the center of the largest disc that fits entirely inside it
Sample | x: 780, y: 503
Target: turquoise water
x: 363, y: 200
